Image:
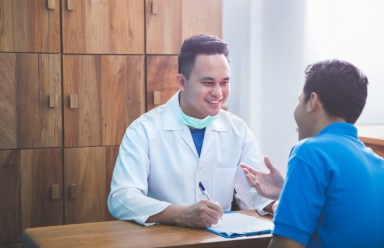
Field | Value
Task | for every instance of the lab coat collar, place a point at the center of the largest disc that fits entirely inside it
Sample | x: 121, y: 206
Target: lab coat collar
x: 173, y: 122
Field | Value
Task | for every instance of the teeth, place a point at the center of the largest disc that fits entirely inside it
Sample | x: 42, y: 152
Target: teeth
x: 214, y: 102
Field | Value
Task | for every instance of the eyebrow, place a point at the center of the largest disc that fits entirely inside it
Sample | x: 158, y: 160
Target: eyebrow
x: 211, y: 78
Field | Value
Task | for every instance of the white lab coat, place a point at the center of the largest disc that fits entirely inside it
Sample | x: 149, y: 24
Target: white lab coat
x: 158, y: 164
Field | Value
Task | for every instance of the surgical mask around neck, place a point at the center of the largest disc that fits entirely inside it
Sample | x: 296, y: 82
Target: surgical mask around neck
x: 197, y: 123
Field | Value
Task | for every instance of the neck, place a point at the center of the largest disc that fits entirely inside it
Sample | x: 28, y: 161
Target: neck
x: 322, y: 123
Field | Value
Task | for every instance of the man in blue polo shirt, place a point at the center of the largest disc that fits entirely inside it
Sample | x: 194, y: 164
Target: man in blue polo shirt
x: 333, y: 195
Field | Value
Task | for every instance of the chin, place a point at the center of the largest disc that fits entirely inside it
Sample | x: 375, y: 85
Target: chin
x: 214, y: 113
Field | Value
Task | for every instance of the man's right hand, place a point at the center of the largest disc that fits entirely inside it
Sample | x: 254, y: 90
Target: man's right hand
x: 267, y: 184
x: 202, y: 214
x: 199, y: 215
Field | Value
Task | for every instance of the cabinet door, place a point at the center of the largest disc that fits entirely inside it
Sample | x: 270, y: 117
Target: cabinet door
x: 30, y: 190
x: 10, y: 209
x: 103, y: 26
x: 8, y: 102
x: 161, y: 79
x: 87, y: 182
x: 30, y: 26
x: 30, y: 98
x: 169, y: 22
x: 41, y: 187
x: 103, y: 95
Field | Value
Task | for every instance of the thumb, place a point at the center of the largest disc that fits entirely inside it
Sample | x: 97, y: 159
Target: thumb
x: 269, y: 165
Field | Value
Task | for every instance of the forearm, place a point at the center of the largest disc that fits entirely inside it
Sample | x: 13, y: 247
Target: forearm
x: 282, y: 242
x: 131, y: 204
x: 171, y: 215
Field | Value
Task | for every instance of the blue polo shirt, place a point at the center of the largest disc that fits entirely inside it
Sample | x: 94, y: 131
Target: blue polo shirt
x: 334, y: 192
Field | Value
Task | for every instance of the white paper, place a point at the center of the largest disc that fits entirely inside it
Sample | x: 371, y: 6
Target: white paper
x: 237, y: 223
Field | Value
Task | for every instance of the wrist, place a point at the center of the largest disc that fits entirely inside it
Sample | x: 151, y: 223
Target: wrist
x: 267, y: 209
x: 172, y: 215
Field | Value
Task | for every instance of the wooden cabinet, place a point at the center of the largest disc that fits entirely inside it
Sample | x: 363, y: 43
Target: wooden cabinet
x: 30, y: 26
x: 103, y: 95
x: 103, y: 26
x: 169, y: 22
x: 31, y: 193
x: 10, y: 211
x: 88, y: 173
x: 30, y: 100
x: 73, y: 75
x: 376, y: 144
x: 161, y: 79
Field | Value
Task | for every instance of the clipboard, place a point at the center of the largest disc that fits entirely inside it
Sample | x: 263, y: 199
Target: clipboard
x: 234, y: 224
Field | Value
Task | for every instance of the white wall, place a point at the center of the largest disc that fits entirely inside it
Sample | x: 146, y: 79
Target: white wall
x: 352, y: 31
x: 266, y: 42
x: 271, y: 43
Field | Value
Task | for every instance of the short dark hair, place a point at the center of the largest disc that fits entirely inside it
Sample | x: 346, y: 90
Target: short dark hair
x: 341, y: 87
x: 199, y: 44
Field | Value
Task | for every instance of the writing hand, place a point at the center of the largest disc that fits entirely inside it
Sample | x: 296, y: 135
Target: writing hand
x: 202, y: 214
x: 268, y: 185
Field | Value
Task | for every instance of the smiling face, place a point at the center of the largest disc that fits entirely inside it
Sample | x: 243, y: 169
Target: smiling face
x: 207, y: 88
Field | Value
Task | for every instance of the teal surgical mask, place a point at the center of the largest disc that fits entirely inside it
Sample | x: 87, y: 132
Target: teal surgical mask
x: 197, y: 123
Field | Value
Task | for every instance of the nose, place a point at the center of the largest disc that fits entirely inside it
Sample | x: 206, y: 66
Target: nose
x: 217, y: 91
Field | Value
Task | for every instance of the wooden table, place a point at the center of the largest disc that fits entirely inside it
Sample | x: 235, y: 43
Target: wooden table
x: 128, y: 234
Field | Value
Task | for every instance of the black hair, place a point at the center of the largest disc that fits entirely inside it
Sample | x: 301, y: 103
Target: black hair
x: 199, y: 44
x: 341, y: 87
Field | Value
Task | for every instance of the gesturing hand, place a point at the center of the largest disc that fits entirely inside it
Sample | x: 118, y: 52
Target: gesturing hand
x: 268, y: 185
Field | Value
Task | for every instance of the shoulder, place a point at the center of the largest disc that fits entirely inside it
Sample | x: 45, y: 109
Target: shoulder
x: 232, y: 120
x: 316, y: 154
x: 148, y: 123
x: 310, y: 145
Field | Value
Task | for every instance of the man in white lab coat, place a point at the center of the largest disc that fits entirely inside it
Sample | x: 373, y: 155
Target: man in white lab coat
x: 168, y: 151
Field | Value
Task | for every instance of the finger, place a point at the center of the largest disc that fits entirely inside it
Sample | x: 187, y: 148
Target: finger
x: 269, y: 165
x: 216, y: 207
x: 250, y: 178
x: 251, y: 170
x: 257, y: 186
x: 217, y: 211
x: 213, y: 216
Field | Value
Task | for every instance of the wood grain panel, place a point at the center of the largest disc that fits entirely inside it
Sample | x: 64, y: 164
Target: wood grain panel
x: 164, y: 34
x: 377, y: 145
x: 87, y: 169
x: 116, y: 234
x: 28, y: 26
x: 8, y: 101
x: 38, y: 77
x: 176, y: 20
x: 103, y: 26
x: 83, y: 125
x: 161, y: 76
x: 111, y: 155
x: 10, y: 208
x: 201, y: 17
x: 111, y: 96
x: 123, y: 97
x: 40, y: 169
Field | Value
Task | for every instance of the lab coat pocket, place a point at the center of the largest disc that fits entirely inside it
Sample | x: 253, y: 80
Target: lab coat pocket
x: 223, y: 185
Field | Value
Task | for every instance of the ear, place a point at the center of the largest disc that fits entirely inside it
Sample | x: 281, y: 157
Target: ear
x: 313, y: 103
x: 181, y: 81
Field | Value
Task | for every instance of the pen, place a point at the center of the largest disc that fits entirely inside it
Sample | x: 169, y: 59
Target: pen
x: 205, y: 193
